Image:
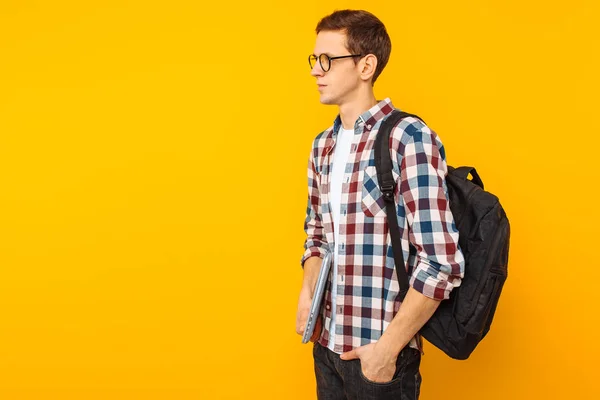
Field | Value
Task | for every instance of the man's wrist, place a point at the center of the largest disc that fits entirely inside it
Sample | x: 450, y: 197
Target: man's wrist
x: 390, y: 345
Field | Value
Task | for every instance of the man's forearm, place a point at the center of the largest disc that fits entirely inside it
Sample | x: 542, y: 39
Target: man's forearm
x: 414, y: 312
x: 312, y: 265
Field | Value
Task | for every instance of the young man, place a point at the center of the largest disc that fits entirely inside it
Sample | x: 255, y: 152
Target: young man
x: 366, y: 345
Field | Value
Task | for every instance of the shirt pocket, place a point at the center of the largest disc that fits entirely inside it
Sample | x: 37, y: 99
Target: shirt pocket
x: 372, y: 202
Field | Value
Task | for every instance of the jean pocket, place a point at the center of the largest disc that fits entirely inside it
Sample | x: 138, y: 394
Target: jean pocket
x: 372, y: 202
x: 408, y: 361
x: 395, y: 379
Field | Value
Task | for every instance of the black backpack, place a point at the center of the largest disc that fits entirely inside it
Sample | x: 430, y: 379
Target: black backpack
x: 464, y: 319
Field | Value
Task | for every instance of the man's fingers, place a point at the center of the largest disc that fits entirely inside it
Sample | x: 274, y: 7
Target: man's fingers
x: 301, y: 318
x: 350, y: 355
x: 300, y: 329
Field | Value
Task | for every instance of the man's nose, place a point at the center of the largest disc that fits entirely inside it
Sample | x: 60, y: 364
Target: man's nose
x: 317, y: 70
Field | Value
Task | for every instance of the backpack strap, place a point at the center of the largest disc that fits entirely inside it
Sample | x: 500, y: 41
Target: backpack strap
x: 463, y: 173
x: 387, y: 185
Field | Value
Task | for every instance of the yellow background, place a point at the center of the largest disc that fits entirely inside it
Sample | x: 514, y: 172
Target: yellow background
x: 153, y: 187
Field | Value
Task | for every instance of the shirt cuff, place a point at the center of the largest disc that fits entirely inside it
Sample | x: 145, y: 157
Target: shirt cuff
x: 313, y: 251
x: 432, y: 282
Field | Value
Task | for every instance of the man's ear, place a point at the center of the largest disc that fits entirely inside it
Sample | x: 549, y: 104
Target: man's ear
x: 368, y: 65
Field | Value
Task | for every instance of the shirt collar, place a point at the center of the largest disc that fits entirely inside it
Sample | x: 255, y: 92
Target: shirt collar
x: 370, y: 117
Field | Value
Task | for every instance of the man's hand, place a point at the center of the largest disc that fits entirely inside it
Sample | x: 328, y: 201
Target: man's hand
x: 302, y: 316
x: 376, y: 365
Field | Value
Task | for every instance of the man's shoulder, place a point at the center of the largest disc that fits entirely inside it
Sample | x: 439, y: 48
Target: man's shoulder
x: 410, y: 126
x: 414, y: 129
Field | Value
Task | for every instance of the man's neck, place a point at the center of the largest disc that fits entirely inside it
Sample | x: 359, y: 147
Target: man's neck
x: 350, y: 111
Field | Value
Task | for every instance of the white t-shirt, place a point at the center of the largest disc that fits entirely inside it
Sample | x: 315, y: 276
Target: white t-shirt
x: 341, y: 152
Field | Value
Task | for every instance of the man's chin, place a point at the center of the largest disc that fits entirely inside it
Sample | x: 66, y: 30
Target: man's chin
x: 327, y: 101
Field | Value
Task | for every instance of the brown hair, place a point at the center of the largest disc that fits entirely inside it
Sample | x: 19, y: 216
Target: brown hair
x: 365, y: 34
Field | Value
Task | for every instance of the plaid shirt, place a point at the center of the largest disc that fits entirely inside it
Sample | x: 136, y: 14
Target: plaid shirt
x: 367, y: 286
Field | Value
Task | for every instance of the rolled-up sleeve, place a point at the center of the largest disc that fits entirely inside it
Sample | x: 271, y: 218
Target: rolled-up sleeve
x: 315, y: 243
x: 432, y: 230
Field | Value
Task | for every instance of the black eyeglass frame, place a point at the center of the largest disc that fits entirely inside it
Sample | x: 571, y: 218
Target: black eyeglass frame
x: 329, y: 59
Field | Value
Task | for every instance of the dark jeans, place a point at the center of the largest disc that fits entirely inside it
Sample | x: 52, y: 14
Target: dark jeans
x: 343, y: 380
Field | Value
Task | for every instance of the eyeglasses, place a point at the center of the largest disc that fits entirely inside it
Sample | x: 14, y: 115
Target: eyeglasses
x: 325, y: 60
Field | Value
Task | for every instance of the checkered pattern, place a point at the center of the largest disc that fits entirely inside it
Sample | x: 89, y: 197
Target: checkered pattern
x: 367, y: 286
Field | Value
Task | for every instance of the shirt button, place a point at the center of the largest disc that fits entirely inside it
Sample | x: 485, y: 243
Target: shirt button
x: 369, y: 126
x: 327, y: 306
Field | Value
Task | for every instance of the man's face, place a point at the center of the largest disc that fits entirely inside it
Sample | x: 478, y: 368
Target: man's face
x: 338, y: 85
